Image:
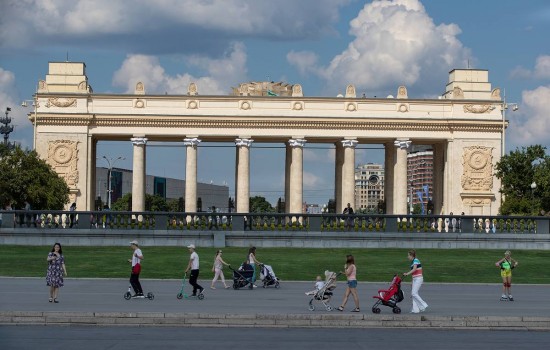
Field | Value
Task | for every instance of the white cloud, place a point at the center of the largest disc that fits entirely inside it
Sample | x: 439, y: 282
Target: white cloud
x: 174, y: 25
x: 396, y: 42
x: 541, y: 70
x: 221, y: 73
x: 312, y: 181
x: 8, y: 98
x: 532, y: 125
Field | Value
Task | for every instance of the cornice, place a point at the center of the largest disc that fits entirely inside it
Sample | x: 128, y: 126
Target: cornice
x: 287, y: 123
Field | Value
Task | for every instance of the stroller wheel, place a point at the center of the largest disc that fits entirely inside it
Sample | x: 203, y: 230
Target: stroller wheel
x: 127, y: 296
x: 150, y: 296
x: 376, y: 310
x: 396, y: 310
x: 235, y: 286
x: 329, y: 308
x: 200, y: 296
x: 311, y: 307
x: 179, y: 296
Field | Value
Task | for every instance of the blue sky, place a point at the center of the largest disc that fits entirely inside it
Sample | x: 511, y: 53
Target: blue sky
x: 322, y: 44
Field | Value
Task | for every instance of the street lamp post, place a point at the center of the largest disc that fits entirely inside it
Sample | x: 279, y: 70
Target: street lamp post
x: 505, y: 106
x: 533, y: 187
x: 35, y: 105
x: 6, y: 129
x: 111, y: 162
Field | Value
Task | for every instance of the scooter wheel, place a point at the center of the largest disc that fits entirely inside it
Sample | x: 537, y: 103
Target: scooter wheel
x: 311, y: 307
x: 200, y: 296
x: 127, y: 296
x: 150, y: 296
x: 179, y: 296
x: 396, y: 310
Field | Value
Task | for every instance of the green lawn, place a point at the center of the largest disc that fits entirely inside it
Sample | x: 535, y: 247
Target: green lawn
x: 440, y: 265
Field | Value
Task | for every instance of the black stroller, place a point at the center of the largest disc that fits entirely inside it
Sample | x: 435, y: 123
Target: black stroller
x: 242, y: 277
x: 268, y: 276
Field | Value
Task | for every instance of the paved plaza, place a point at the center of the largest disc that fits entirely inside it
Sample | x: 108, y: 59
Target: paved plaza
x: 100, y: 301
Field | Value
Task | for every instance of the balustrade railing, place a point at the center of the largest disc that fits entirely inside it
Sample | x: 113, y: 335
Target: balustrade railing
x: 107, y: 220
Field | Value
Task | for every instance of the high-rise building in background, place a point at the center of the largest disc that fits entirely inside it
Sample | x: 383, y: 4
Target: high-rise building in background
x: 420, y: 176
x: 369, y: 187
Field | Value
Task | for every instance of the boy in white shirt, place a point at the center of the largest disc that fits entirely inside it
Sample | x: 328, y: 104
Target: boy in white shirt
x: 137, y: 256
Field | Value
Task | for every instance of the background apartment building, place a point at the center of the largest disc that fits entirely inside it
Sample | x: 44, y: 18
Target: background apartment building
x: 369, y: 187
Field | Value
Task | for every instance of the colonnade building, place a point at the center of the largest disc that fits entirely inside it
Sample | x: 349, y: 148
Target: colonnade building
x: 464, y: 126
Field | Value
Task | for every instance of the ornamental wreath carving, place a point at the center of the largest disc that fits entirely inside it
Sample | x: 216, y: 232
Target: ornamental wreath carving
x: 61, y: 102
x: 63, y: 157
x: 477, y: 162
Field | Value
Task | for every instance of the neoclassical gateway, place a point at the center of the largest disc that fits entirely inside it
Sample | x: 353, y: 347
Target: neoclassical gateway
x: 465, y: 126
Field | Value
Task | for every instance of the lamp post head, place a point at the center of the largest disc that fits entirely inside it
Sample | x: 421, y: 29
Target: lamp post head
x: 533, y: 185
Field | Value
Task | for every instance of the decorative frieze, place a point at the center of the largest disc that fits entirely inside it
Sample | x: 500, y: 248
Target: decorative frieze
x: 139, y: 103
x: 61, y: 102
x: 403, y: 107
x: 63, y: 157
x: 402, y: 92
x: 480, y: 108
x: 477, y: 175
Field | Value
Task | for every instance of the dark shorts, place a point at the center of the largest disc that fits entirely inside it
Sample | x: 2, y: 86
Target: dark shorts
x: 352, y: 284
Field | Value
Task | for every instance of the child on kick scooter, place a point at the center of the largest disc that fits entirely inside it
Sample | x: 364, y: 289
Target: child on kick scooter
x: 137, y: 256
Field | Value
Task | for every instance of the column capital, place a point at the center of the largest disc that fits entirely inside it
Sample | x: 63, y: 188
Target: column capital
x: 139, y: 141
x: 402, y: 144
x: 349, y: 143
x: 243, y: 142
x: 297, y: 142
x: 193, y: 142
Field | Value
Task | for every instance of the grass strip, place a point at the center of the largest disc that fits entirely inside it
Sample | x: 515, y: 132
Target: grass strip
x: 297, y: 264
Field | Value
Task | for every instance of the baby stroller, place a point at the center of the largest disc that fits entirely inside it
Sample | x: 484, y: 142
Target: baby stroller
x: 324, y: 294
x: 268, y: 276
x: 242, y: 276
x: 390, y: 297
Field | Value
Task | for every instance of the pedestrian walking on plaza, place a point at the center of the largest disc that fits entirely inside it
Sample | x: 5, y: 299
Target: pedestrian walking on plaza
x: 218, y: 269
x: 506, y: 265
x: 418, y: 305
x: 193, y: 266
x: 349, y: 218
x: 137, y: 256
x: 56, y: 271
x: 351, y: 271
x: 252, y: 260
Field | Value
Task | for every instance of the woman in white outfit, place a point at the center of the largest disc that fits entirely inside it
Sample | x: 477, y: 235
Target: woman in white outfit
x: 218, y: 269
x: 418, y: 305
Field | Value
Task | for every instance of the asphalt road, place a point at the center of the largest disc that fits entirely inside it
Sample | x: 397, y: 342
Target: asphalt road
x: 131, y: 338
x: 106, y: 295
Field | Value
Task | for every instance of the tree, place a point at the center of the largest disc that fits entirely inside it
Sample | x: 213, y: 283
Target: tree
x: 259, y: 204
x: 517, y: 171
x: 26, y: 177
x: 152, y: 203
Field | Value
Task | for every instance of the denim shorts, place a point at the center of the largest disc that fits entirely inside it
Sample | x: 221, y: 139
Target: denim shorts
x: 352, y: 284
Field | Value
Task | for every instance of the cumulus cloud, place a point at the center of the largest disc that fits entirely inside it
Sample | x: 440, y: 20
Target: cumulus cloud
x: 220, y: 73
x: 531, y: 125
x: 541, y: 70
x: 143, y: 26
x: 8, y: 98
x: 396, y: 42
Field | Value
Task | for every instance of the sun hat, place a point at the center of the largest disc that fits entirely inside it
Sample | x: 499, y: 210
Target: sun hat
x: 134, y: 242
x: 191, y: 246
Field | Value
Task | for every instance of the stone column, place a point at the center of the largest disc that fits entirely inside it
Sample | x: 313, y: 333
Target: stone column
x: 348, y: 172
x: 388, y: 176
x: 338, y: 169
x: 449, y: 183
x: 288, y: 162
x: 91, y: 165
x: 296, y: 175
x: 138, y: 174
x: 191, y: 174
x: 242, y: 179
x: 400, y: 177
x: 438, y: 177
